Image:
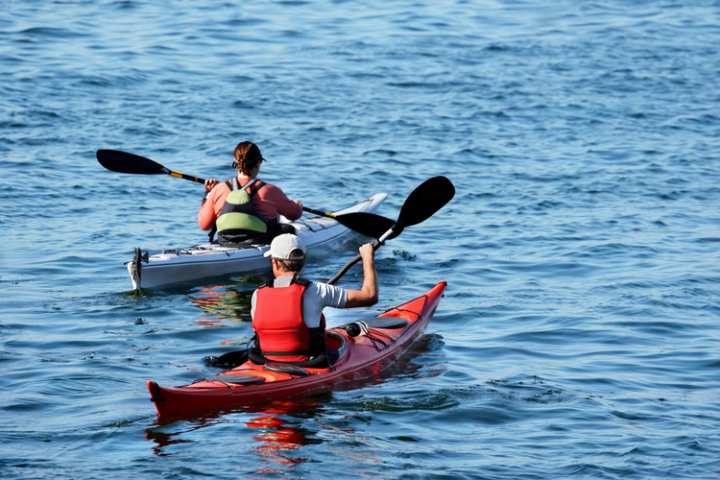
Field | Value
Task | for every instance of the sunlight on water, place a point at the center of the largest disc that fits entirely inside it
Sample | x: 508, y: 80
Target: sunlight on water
x: 578, y: 337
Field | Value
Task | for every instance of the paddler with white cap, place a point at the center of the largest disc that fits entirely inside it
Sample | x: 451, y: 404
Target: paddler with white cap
x: 287, y: 314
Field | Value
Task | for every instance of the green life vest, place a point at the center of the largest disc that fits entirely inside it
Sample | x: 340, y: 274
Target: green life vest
x: 238, y: 219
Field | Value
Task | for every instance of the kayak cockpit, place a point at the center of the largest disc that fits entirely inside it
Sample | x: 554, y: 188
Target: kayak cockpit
x: 256, y: 372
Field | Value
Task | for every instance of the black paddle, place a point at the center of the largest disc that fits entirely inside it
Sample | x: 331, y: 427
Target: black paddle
x: 368, y: 224
x: 422, y: 203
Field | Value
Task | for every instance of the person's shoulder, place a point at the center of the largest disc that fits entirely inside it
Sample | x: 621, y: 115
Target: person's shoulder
x: 329, y: 295
x: 225, y: 185
x: 262, y: 184
x: 324, y: 287
x: 268, y: 185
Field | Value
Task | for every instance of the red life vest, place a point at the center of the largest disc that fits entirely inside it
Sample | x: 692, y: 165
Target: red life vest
x: 279, y: 324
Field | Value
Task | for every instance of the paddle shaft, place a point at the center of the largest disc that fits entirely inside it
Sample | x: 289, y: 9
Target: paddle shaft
x: 422, y: 203
x: 376, y: 244
x: 366, y: 223
x: 185, y: 176
x: 319, y: 212
x: 202, y: 180
x: 193, y: 178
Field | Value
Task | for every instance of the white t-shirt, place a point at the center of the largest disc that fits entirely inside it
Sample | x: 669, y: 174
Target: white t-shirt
x: 317, y: 296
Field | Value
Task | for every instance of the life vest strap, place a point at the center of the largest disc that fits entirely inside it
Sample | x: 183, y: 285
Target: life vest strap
x: 239, y: 221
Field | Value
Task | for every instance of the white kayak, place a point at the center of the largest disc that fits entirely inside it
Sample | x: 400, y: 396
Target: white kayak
x: 210, y: 259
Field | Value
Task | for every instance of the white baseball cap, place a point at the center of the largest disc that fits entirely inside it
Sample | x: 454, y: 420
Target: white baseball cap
x: 284, y: 245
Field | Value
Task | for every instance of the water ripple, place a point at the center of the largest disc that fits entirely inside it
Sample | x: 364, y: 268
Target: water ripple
x: 578, y: 335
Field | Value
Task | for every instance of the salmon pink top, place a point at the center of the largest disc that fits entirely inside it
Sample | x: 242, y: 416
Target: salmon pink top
x: 269, y: 202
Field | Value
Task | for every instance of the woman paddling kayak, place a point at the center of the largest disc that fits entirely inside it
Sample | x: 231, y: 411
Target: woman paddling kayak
x: 244, y: 207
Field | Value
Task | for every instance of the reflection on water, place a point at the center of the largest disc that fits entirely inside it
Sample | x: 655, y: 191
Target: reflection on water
x: 220, y: 303
x: 275, y: 433
x: 280, y: 431
x: 163, y: 440
x: 277, y: 437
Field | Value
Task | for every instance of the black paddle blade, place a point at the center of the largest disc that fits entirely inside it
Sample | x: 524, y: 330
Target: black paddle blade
x: 429, y: 197
x: 124, y: 162
x: 368, y: 224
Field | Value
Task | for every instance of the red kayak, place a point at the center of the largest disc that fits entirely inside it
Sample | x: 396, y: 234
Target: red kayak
x: 358, y: 359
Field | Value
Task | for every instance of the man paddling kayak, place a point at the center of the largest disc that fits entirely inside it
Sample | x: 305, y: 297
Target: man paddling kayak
x: 245, y: 207
x: 287, y: 315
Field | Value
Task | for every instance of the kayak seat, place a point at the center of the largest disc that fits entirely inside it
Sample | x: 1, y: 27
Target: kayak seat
x: 334, y: 347
x: 318, y: 361
x: 240, y: 379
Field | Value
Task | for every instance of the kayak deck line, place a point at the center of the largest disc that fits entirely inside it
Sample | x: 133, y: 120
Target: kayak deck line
x: 359, y: 359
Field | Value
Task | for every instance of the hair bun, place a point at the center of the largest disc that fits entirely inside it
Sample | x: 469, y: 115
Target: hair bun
x: 247, y: 156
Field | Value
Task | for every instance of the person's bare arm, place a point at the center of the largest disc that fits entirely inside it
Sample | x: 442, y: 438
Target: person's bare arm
x: 368, y: 293
x: 291, y: 209
x: 206, y: 214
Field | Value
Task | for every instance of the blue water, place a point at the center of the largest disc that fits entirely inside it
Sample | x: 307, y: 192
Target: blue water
x: 579, y: 337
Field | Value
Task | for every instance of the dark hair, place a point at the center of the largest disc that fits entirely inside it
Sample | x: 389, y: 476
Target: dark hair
x: 247, y: 156
x: 295, y: 263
